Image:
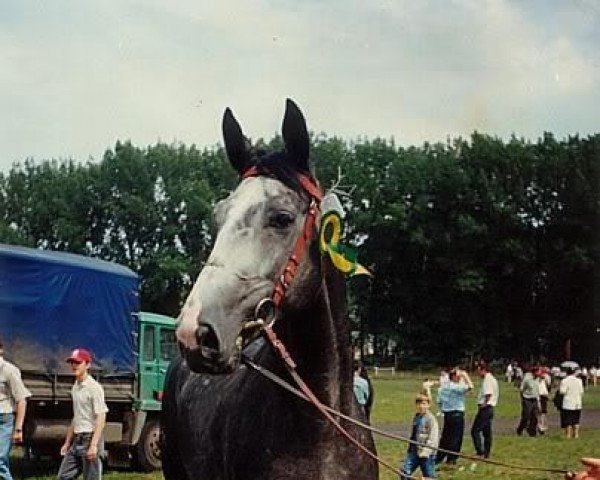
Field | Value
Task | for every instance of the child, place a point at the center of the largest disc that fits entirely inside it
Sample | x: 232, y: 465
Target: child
x: 425, y: 430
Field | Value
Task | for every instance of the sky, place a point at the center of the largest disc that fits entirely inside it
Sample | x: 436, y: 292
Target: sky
x: 76, y: 76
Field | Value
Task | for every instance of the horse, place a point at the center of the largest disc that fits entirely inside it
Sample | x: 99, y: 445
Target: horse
x: 222, y: 420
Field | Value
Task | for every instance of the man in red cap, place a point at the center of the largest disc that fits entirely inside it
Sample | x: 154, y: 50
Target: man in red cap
x: 83, y: 444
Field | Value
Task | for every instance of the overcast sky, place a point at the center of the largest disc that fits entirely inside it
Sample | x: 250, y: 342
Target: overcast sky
x: 76, y: 76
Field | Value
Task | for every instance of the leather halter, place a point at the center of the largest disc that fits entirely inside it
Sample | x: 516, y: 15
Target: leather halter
x: 311, y: 187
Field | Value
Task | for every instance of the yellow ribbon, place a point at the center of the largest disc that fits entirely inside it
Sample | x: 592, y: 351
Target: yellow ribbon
x: 343, y: 257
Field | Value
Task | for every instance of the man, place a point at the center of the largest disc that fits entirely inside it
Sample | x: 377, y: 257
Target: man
x: 543, y: 380
x: 571, y: 388
x: 82, y: 448
x: 486, y: 401
x: 13, y: 403
x: 361, y: 388
x: 451, y: 401
x: 509, y: 372
x: 530, y: 399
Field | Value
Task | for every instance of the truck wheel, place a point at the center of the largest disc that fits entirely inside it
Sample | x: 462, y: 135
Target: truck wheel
x: 148, y: 447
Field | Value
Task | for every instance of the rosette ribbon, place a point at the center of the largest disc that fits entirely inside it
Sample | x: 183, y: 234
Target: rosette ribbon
x: 342, y: 256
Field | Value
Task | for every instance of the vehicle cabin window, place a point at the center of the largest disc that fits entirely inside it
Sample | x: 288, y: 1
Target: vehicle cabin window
x: 148, y: 343
x: 168, y: 344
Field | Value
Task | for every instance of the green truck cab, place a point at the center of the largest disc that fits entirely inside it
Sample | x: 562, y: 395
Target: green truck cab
x: 157, y: 347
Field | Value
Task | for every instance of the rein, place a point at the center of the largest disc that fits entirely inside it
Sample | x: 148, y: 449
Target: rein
x: 311, y: 187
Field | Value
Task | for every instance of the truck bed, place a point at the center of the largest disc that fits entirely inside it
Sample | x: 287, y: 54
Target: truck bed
x: 54, y: 388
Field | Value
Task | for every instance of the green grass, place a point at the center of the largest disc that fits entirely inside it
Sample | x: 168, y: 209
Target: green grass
x: 549, y: 451
x: 394, y: 405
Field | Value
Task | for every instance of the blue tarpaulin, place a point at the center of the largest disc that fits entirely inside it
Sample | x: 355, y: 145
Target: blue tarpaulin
x: 52, y: 302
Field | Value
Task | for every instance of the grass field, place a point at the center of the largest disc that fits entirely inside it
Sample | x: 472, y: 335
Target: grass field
x: 394, y: 404
x: 394, y: 408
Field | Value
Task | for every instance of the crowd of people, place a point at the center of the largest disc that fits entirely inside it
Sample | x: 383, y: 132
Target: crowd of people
x: 429, y: 448
x: 83, y: 445
x: 538, y: 387
x: 568, y: 385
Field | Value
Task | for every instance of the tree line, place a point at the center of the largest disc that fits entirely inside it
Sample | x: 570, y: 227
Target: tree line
x: 479, y: 246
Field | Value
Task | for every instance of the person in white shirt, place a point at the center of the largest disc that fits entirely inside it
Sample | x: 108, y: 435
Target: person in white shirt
x: 571, y: 388
x: 481, y: 431
x: 13, y: 404
x: 543, y: 381
x: 83, y: 445
x: 509, y: 372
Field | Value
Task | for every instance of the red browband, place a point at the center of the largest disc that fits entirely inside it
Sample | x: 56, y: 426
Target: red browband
x: 308, y: 182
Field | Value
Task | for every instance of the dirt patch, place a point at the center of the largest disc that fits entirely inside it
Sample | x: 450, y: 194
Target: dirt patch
x: 503, y: 426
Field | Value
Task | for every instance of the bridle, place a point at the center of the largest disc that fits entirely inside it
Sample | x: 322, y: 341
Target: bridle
x: 267, y: 309
x: 311, y: 187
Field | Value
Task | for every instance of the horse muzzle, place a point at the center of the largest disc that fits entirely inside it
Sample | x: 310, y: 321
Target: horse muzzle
x: 203, y: 351
x: 218, y: 319
x: 207, y: 357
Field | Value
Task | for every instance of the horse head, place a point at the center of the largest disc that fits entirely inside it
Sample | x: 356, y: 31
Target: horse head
x: 257, y: 229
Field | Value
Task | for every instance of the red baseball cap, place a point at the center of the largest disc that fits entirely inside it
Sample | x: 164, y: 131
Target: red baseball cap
x: 80, y: 355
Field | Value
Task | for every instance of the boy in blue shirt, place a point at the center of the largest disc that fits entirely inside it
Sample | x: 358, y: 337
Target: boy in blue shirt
x: 425, y: 430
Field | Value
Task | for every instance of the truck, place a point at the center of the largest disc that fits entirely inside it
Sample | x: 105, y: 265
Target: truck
x: 53, y: 302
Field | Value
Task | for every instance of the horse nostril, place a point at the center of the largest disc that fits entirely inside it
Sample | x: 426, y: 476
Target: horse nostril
x: 207, y: 340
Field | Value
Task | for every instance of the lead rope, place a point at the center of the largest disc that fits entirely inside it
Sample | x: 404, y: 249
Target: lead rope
x: 282, y: 383
x: 307, y: 394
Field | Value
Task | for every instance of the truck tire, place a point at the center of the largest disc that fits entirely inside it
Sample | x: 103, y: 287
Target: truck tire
x: 148, y: 447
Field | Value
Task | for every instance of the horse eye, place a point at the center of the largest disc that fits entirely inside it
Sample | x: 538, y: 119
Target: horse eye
x: 281, y: 220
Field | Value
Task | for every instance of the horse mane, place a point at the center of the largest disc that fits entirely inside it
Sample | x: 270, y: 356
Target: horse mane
x: 277, y: 165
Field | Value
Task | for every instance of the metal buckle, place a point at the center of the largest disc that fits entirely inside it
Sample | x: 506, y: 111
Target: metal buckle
x: 265, y: 310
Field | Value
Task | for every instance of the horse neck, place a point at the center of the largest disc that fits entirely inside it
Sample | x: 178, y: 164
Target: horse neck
x: 318, y: 340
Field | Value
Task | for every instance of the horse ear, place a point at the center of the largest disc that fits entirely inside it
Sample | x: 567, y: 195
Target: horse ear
x: 295, y: 135
x: 235, y: 142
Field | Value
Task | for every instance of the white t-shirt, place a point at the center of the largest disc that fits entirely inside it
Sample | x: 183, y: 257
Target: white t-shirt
x: 489, y: 386
x: 542, y: 386
x: 572, y: 389
x: 88, y: 402
x: 12, y: 389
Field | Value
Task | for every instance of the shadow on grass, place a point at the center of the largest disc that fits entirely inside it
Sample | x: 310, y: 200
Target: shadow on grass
x: 22, y: 466
x: 44, y: 467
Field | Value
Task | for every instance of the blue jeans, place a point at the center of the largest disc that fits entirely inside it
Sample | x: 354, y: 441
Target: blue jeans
x: 481, y: 431
x: 75, y: 461
x: 7, y: 423
x: 413, y: 461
